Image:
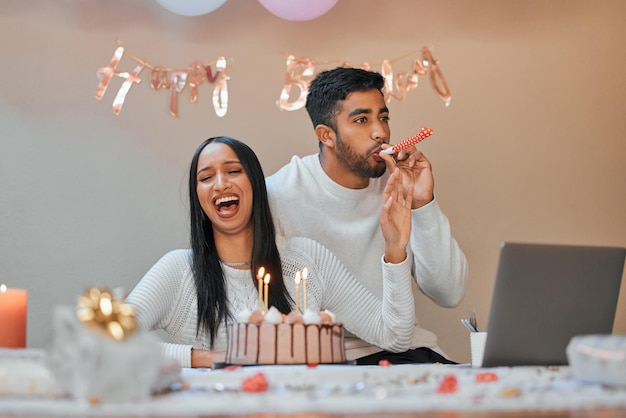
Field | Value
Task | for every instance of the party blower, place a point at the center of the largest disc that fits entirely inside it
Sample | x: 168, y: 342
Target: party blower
x: 409, y: 142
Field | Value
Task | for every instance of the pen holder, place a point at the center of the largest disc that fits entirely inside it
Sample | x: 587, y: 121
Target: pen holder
x: 477, y: 347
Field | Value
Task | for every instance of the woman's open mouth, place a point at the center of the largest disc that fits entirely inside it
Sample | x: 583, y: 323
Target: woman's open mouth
x: 226, y: 206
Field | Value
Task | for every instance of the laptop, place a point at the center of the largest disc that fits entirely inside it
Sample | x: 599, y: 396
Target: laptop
x: 546, y: 294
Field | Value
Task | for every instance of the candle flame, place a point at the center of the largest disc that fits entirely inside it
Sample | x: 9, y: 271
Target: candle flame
x: 305, y: 273
x: 3, y: 288
x: 266, y: 280
x: 297, y: 278
x: 260, y: 273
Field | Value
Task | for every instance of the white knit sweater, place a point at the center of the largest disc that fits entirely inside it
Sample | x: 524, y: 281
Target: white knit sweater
x: 306, y: 202
x: 165, y: 298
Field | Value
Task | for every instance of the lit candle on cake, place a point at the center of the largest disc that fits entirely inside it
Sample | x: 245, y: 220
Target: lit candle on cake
x: 13, y: 303
x: 305, y: 273
x: 259, y: 277
x: 266, y: 280
x: 297, y: 280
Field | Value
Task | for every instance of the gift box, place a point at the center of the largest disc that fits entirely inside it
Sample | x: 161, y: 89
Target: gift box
x: 89, y: 364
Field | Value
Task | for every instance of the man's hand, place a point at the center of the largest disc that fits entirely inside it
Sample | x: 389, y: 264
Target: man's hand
x: 416, y: 175
x: 395, y: 219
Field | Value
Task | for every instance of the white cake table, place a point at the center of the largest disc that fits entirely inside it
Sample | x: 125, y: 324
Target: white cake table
x: 28, y: 389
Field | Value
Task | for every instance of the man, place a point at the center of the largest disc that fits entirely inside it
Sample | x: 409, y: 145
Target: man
x: 335, y: 197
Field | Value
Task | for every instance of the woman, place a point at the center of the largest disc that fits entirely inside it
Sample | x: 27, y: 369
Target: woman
x: 192, y: 294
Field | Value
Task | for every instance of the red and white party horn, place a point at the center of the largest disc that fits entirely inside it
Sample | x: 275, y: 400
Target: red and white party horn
x: 409, y: 142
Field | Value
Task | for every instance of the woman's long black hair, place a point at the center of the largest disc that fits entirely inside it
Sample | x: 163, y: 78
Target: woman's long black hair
x: 209, y: 276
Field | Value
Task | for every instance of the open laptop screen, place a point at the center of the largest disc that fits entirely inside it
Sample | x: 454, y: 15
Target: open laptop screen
x: 546, y: 294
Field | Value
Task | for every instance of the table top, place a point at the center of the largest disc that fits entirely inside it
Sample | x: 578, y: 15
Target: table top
x: 584, y: 413
x: 330, y: 391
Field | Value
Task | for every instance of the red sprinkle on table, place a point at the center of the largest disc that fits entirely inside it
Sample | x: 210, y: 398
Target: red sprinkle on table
x: 486, y: 377
x: 255, y: 383
x: 449, y: 384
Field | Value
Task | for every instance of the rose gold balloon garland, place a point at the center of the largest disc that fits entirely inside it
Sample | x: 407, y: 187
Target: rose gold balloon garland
x: 300, y: 72
x: 298, y: 75
x: 172, y: 79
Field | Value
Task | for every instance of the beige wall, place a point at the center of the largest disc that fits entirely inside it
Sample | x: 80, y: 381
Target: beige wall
x: 531, y: 148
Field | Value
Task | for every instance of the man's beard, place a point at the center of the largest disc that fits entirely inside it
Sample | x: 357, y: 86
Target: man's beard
x: 355, y: 163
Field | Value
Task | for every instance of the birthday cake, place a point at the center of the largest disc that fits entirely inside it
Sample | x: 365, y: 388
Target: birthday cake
x: 274, y: 338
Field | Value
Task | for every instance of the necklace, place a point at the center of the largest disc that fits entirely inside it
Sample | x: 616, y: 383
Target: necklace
x: 242, y: 264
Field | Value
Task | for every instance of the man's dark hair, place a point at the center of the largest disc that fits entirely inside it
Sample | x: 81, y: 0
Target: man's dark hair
x: 332, y: 86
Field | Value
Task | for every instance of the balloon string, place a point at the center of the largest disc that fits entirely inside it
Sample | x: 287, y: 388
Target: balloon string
x: 135, y: 58
x: 337, y: 61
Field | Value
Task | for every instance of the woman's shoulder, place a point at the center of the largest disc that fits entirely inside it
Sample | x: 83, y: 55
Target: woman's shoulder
x: 180, y: 254
x: 171, y: 273
x: 178, y: 260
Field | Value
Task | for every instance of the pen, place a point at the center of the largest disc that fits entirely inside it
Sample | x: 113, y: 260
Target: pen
x: 467, y: 325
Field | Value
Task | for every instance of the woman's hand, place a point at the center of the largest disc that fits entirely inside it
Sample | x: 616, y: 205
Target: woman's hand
x: 395, y: 218
x: 206, y: 358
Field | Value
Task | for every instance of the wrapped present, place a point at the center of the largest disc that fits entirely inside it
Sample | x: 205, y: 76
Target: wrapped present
x: 97, y: 354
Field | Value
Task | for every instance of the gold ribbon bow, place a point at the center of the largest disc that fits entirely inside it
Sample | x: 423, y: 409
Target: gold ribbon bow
x: 98, y: 308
